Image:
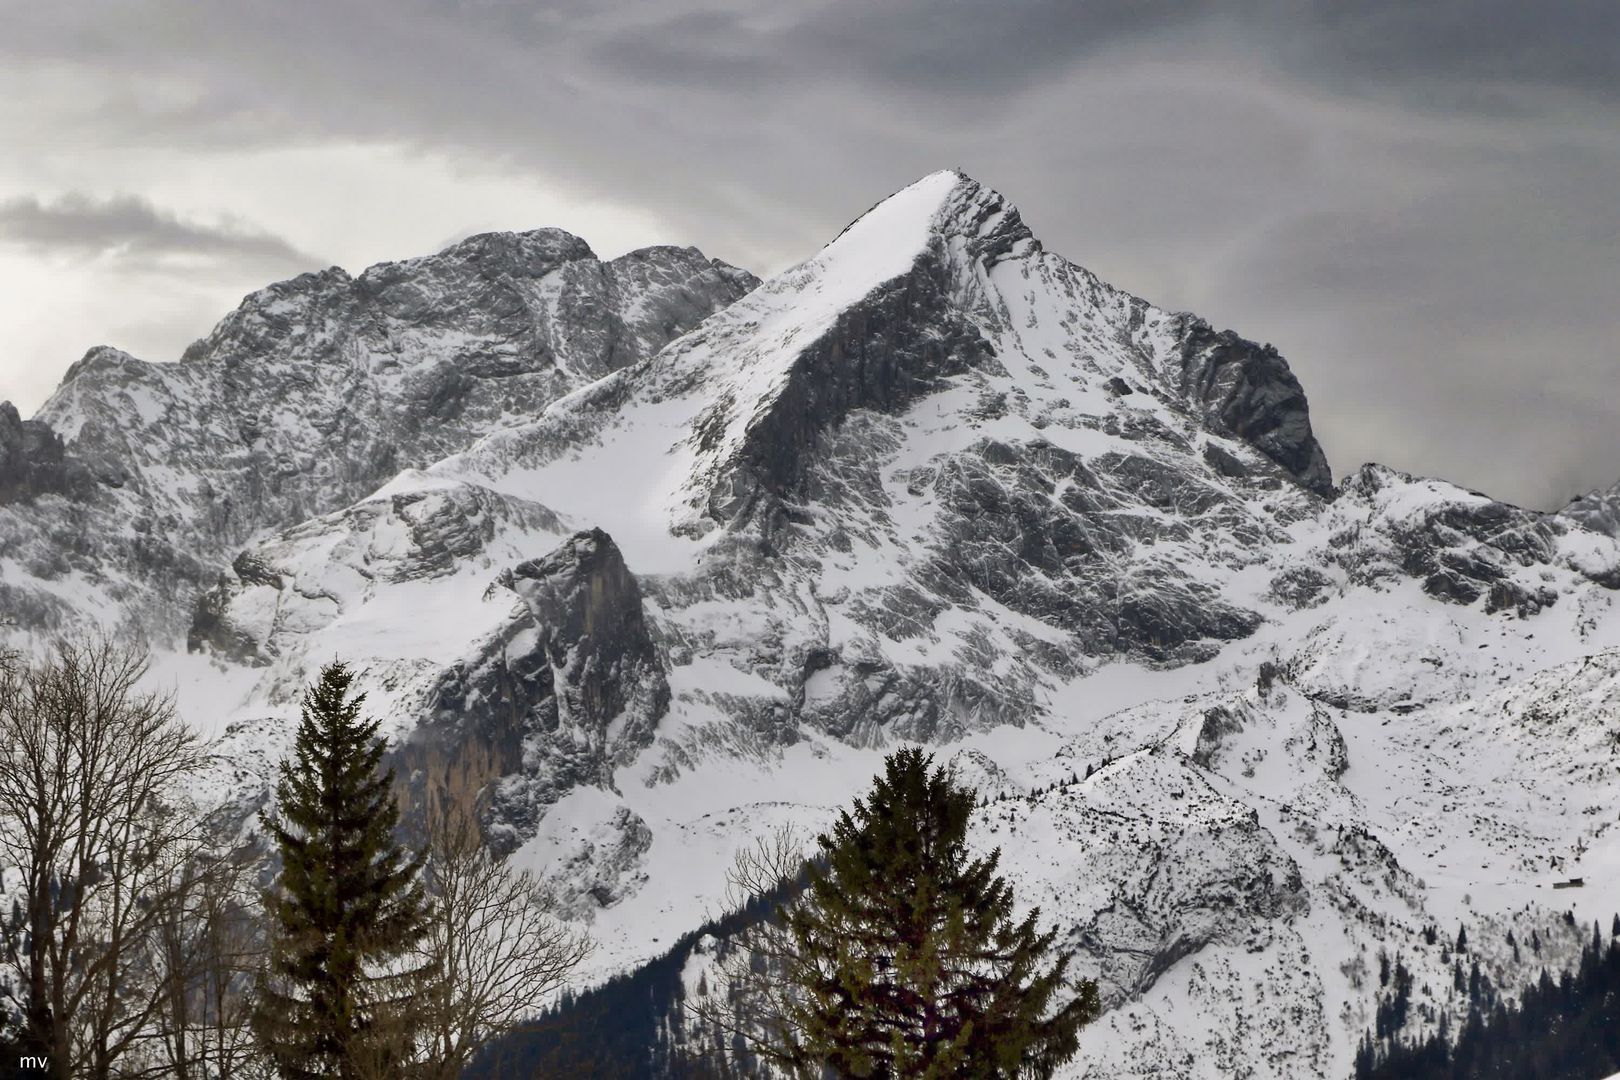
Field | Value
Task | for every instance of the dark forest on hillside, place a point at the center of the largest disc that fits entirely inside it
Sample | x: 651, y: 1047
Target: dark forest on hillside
x: 1566, y: 1028
x: 630, y: 1026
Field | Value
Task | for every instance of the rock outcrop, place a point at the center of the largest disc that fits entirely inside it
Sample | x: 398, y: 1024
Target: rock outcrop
x: 1248, y: 389
x: 33, y: 461
x: 567, y: 690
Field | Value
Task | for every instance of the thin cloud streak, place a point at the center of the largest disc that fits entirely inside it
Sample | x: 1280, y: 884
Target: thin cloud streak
x: 130, y: 229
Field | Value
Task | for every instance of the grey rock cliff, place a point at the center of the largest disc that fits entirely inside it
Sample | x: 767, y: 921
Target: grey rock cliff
x: 1598, y: 510
x: 33, y: 461
x: 568, y: 689
x: 1249, y: 390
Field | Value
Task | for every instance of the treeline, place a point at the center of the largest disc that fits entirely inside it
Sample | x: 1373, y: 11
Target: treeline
x: 1566, y: 1028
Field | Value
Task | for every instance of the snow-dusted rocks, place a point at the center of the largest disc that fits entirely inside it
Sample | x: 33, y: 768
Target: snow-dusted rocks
x: 1249, y: 390
x: 33, y: 461
x: 569, y: 690
x: 1597, y: 510
x: 654, y: 563
x: 1459, y: 544
x: 314, y: 393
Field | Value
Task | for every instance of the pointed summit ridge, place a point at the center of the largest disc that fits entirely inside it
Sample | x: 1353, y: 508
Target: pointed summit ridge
x: 939, y: 290
x: 943, y: 207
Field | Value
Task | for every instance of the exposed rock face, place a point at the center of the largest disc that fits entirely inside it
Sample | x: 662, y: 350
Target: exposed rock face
x: 1249, y: 390
x: 33, y: 461
x: 1461, y: 546
x: 318, y: 390
x: 568, y: 689
x: 587, y: 612
x: 1597, y: 510
x: 899, y: 343
x: 1051, y: 535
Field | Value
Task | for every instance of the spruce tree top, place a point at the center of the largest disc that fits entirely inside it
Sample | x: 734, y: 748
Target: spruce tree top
x: 349, y: 903
x: 920, y: 970
x: 337, y: 821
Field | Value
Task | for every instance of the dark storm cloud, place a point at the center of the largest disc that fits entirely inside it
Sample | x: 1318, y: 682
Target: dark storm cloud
x: 963, y: 48
x: 1414, y: 200
x: 129, y: 228
x: 968, y: 48
x: 272, y: 70
x: 1567, y: 44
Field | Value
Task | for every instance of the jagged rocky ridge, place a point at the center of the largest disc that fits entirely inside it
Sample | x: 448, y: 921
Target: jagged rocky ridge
x: 1597, y: 510
x: 311, y: 394
x: 939, y: 484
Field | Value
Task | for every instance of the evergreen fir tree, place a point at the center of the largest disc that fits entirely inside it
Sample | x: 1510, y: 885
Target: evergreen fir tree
x: 909, y: 961
x: 348, y: 906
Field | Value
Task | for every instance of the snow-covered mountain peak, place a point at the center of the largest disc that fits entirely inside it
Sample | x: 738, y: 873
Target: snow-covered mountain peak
x: 311, y: 394
x: 940, y: 287
x: 655, y: 559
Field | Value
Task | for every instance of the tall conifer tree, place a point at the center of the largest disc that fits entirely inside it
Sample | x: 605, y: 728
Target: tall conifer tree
x: 905, y: 959
x: 348, y: 907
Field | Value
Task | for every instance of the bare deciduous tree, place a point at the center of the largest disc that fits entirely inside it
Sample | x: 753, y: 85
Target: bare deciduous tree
x: 499, y: 955
x: 744, y: 1005
x: 90, y: 768
x: 212, y: 946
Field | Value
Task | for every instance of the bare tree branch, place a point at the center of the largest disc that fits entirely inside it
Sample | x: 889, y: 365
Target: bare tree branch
x: 90, y: 773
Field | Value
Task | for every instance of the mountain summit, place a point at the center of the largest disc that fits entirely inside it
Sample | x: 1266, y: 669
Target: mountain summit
x: 309, y: 395
x: 658, y: 557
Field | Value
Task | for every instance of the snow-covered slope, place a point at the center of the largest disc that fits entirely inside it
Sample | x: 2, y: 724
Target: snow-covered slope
x: 896, y: 492
x: 937, y: 484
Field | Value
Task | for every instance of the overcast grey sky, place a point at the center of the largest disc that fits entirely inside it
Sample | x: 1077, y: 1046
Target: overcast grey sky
x: 1418, y: 202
